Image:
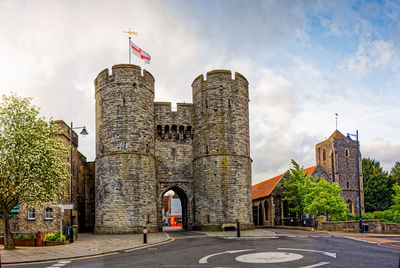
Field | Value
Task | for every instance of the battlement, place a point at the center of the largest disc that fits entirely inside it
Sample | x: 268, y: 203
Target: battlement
x: 166, y: 107
x: 218, y: 77
x: 124, y: 74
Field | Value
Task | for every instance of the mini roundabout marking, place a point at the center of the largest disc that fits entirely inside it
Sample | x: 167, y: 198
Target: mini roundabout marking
x: 271, y: 257
x: 268, y: 257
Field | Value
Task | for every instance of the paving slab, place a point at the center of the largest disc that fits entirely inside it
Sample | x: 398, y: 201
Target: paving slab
x: 86, y: 245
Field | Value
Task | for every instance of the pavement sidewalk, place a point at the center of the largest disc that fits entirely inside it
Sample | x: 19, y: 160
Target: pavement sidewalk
x: 86, y: 245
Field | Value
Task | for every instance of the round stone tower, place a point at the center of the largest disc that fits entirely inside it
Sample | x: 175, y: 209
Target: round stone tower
x: 222, y: 164
x: 125, y: 162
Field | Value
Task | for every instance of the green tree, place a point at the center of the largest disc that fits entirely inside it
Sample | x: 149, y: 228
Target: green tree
x: 395, y: 173
x: 323, y: 198
x: 294, y: 188
x: 33, y: 166
x: 396, y: 198
x: 377, y: 186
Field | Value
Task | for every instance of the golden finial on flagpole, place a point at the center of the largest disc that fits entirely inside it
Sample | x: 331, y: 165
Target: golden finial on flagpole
x: 129, y: 32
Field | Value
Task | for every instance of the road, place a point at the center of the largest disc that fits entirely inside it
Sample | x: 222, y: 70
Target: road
x: 290, y: 249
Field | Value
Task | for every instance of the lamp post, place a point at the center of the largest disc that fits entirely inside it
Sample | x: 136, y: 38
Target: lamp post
x: 358, y: 176
x: 83, y: 132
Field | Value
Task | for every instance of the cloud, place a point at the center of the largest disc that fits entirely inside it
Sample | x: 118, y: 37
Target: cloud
x: 382, y: 150
x: 368, y: 57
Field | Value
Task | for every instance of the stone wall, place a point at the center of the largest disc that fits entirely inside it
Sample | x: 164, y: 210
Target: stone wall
x: 174, y: 154
x: 21, y: 223
x: 374, y: 226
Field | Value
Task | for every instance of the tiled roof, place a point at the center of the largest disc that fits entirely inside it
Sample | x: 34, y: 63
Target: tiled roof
x: 265, y: 188
x: 337, y: 135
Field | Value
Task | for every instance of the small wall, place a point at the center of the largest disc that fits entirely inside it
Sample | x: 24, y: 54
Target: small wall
x: 390, y: 228
x: 34, y: 242
x: 374, y: 226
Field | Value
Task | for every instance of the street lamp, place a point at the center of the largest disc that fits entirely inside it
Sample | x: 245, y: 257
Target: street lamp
x: 358, y: 176
x: 84, y: 133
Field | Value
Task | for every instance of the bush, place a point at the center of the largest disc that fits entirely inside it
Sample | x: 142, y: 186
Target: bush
x: 24, y: 236
x: 342, y: 217
x: 368, y: 216
x: 54, y: 236
x: 388, y: 215
x: 350, y: 216
x: 396, y: 216
x: 379, y: 215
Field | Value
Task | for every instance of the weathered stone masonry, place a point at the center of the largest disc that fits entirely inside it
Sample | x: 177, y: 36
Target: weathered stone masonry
x: 143, y: 149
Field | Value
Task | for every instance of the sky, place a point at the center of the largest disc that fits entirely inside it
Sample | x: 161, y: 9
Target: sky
x: 304, y: 60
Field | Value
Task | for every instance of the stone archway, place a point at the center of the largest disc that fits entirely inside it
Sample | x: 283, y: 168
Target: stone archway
x: 184, y: 198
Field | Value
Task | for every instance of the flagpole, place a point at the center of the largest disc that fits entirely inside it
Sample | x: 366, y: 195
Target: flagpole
x: 129, y: 50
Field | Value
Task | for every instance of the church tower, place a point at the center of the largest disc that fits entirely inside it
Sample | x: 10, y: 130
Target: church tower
x: 338, y: 156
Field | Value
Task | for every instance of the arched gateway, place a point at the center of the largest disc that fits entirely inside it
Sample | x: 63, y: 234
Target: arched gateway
x: 201, y: 151
x: 181, y: 190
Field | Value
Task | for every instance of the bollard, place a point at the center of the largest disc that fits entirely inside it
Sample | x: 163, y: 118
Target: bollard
x: 237, y: 228
x: 145, y: 235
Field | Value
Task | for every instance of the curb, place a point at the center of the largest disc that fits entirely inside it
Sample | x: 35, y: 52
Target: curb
x: 99, y: 254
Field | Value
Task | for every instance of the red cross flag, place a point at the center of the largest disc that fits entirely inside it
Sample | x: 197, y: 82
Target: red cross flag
x: 140, y: 53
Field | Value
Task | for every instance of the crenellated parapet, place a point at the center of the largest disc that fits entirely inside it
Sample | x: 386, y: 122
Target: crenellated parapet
x: 221, y: 78
x: 125, y: 74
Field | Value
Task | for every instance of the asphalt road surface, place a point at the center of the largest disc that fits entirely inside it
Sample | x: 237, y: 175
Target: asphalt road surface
x: 289, y: 249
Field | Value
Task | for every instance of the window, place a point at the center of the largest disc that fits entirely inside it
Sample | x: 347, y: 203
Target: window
x: 206, y: 103
x: 319, y: 154
x: 173, y: 153
x: 147, y: 148
x: 124, y: 146
x: 159, y: 130
x: 349, y: 206
x: 324, y: 155
x: 31, y: 214
x: 206, y: 149
x: 266, y: 210
x: 48, y: 213
x: 347, y: 184
x: 347, y: 153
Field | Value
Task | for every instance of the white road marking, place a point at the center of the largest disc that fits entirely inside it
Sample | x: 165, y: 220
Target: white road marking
x: 330, y: 254
x: 59, y: 264
x: 353, y: 238
x: 268, y: 257
x: 204, y: 259
x: 316, y: 265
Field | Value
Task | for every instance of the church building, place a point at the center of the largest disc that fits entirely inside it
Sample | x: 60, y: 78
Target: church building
x: 336, y: 161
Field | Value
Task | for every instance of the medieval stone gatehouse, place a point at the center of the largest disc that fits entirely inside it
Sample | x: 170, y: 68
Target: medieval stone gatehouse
x: 143, y: 149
